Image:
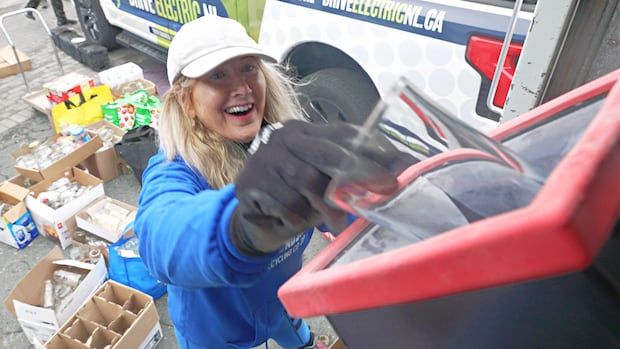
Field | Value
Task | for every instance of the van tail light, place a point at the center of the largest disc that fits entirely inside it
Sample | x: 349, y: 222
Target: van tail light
x: 483, y: 52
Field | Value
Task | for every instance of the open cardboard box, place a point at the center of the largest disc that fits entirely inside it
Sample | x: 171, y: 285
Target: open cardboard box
x: 54, y: 170
x: 132, y: 86
x: 8, y: 63
x: 116, y: 315
x: 57, y: 224
x: 105, y: 162
x: 16, y: 226
x: 24, y: 301
x: 84, y: 221
x: 22, y: 181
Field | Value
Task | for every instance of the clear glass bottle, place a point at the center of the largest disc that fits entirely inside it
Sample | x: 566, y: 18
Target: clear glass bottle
x: 48, y: 294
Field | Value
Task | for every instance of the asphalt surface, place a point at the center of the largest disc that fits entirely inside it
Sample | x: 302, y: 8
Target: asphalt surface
x: 21, y: 124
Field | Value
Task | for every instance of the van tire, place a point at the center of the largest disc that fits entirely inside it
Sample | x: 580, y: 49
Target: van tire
x: 95, y: 26
x: 337, y: 94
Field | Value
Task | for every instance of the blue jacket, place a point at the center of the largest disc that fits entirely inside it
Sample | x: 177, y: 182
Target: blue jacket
x: 217, y: 297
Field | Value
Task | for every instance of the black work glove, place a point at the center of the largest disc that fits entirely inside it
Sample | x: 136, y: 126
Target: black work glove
x: 281, y: 187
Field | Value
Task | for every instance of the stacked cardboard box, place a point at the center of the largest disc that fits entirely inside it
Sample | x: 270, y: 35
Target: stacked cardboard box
x: 105, y: 163
x: 85, y: 315
x: 58, y: 224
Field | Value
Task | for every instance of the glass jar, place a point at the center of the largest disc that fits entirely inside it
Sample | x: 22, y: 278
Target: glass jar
x: 80, y: 236
x: 79, y: 134
x: 94, y: 255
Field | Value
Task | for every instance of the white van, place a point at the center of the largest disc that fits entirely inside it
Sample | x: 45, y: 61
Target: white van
x: 354, y: 50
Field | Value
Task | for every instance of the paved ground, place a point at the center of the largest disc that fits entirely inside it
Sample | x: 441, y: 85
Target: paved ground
x: 19, y: 124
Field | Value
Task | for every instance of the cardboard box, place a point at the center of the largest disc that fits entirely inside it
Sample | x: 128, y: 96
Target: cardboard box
x: 106, y: 163
x: 60, y: 166
x: 8, y: 63
x: 111, y: 233
x: 115, y: 315
x: 22, y: 181
x: 57, y: 224
x: 63, y: 87
x: 131, y: 86
x: 338, y: 344
x: 34, y: 331
x: 16, y: 226
x: 24, y: 301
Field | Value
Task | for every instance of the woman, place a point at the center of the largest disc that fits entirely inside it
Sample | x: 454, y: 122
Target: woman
x: 221, y: 228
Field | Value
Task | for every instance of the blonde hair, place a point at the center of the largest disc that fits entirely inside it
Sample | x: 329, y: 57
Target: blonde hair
x: 218, y: 159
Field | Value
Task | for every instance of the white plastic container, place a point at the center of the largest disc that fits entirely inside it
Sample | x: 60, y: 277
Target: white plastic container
x: 116, y: 76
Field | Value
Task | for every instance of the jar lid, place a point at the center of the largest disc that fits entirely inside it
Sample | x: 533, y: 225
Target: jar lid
x: 76, y: 130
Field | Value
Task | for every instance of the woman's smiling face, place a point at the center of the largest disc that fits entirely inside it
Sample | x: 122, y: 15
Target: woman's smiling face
x: 230, y: 99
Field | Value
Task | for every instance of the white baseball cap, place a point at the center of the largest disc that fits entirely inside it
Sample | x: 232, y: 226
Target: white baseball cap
x: 205, y: 43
